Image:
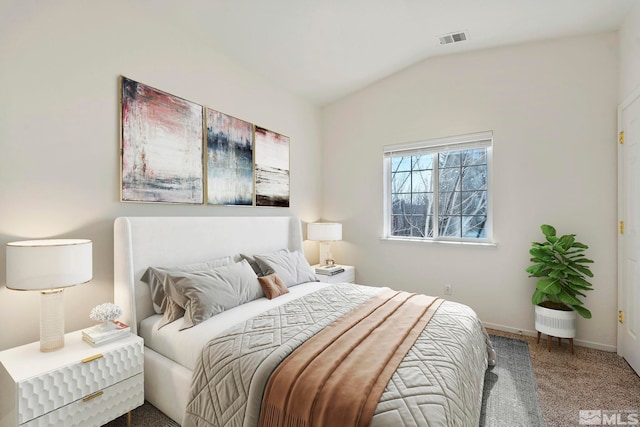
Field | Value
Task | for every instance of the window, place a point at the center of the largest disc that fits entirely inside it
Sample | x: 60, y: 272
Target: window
x: 439, y: 189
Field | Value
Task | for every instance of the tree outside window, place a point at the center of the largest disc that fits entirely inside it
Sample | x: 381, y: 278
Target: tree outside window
x: 440, y: 193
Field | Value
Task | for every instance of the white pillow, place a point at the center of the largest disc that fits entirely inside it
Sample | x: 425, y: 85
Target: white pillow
x: 155, y: 278
x: 204, y: 294
x: 291, y: 267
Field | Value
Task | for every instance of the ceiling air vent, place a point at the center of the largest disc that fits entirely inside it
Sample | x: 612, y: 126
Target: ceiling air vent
x: 453, y: 38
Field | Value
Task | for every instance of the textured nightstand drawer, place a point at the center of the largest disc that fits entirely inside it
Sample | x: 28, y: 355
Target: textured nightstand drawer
x: 347, y: 276
x: 96, y: 409
x: 44, y: 393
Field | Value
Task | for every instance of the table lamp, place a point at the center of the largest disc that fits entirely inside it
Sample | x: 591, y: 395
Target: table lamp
x: 325, y: 232
x: 49, y: 266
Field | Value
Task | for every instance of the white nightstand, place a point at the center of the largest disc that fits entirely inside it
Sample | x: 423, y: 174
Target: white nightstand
x: 347, y: 276
x: 79, y: 385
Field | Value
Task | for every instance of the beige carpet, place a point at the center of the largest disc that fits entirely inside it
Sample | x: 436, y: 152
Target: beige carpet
x: 588, y: 380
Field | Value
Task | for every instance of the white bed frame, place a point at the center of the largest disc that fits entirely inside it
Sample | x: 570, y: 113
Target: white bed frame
x: 142, y: 242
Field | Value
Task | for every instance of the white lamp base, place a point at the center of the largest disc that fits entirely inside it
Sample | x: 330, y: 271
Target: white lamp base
x: 325, y: 254
x: 51, y: 320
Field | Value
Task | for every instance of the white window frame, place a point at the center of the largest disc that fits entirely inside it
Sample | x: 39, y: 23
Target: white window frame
x: 438, y: 145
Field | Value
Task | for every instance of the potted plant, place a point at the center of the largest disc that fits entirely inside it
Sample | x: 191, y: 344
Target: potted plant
x: 561, y: 267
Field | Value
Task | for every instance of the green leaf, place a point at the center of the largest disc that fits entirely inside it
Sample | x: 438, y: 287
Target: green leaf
x: 580, y: 245
x: 548, y: 230
x: 575, y: 251
x: 549, y: 286
x: 557, y: 274
x: 538, y: 253
x: 570, y: 291
x: 572, y: 272
x: 579, y: 282
x: 542, y: 251
x: 568, y: 299
x: 582, y: 311
x: 583, y: 260
x: 544, y: 272
x: 579, y: 293
x: 582, y: 269
x: 566, y: 241
x: 535, y: 270
x: 537, y: 297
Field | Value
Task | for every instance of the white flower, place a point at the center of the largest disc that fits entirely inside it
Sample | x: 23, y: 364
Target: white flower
x: 105, y: 312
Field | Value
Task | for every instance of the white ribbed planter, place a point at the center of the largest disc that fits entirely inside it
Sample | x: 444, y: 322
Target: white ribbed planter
x: 556, y: 323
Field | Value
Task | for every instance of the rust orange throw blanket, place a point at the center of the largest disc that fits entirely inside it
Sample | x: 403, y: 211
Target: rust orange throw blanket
x: 337, y: 377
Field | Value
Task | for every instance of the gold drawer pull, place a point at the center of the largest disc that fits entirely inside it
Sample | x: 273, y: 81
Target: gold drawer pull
x: 93, y: 396
x: 92, y: 358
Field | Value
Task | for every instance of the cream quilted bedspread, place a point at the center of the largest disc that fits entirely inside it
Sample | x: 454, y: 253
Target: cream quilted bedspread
x: 438, y: 383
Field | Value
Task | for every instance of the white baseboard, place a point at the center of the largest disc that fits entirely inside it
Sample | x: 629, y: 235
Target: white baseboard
x: 588, y: 344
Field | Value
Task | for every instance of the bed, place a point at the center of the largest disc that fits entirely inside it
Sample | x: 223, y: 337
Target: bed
x: 218, y: 371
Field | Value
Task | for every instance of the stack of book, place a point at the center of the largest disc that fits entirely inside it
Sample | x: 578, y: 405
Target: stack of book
x: 99, y: 334
x: 329, y: 270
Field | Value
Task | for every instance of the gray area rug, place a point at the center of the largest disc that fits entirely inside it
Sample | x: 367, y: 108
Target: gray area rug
x: 510, y: 397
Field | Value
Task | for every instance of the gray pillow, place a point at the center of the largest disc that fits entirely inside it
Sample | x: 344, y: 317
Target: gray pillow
x: 204, y: 294
x: 291, y: 267
x: 155, y: 278
x: 253, y: 263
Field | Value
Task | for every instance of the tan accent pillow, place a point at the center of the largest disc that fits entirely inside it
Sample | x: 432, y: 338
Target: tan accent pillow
x: 272, y: 286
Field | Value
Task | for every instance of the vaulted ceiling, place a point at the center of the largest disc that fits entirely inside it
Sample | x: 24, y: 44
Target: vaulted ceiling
x: 325, y: 49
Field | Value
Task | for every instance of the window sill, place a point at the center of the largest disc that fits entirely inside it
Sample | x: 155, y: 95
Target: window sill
x: 444, y: 242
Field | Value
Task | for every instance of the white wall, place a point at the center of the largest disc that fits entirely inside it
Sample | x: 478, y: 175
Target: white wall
x: 630, y: 52
x: 552, y: 107
x: 60, y: 64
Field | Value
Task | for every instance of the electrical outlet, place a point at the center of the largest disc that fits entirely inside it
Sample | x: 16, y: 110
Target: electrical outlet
x: 448, y: 289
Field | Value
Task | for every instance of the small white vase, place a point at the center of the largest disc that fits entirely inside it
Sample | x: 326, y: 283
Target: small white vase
x: 556, y: 323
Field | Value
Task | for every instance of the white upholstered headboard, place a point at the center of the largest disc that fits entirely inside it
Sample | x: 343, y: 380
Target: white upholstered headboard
x: 141, y: 242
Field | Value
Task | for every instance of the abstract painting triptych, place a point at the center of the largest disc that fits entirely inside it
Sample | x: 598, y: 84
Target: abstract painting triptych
x: 177, y: 151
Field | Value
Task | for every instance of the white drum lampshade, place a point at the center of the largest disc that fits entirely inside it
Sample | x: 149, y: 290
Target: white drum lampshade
x: 49, y: 266
x: 325, y: 232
